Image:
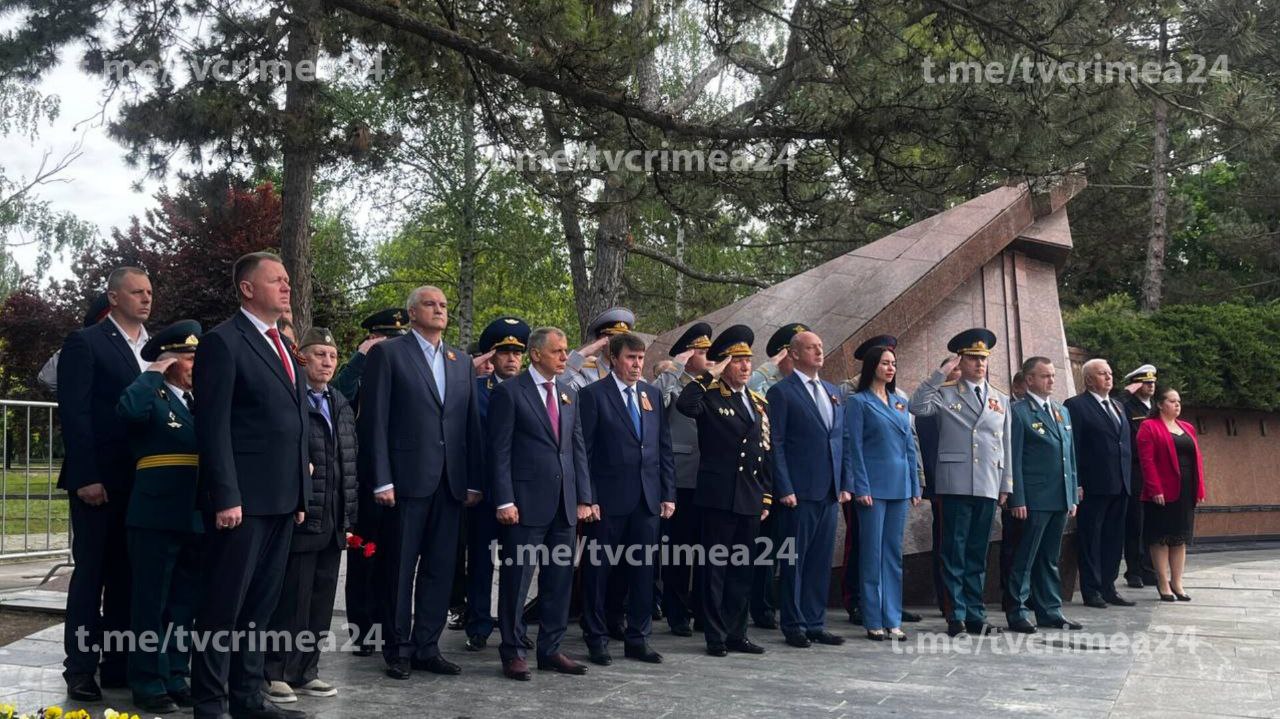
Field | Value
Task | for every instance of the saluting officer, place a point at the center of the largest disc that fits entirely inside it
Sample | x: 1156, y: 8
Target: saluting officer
x: 734, y: 484
x: 682, y: 580
x: 974, y: 470
x: 1140, y: 387
x: 505, y: 340
x: 590, y: 363
x: 163, y: 524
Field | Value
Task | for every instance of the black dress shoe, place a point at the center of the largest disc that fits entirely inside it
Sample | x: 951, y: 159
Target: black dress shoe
x: 476, y: 643
x: 161, y: 704
x: 1182, y: 597
x: 825, y: 637
x: 911, y: 616
x: 981, y: 628
x: 799, y: 641
x: 1062, y: 623
x: 618, y: 632
x: 182, y: 698
x: 517, y: 669
x: 1134, y: 582
x: 876, y: 635
x: 561, y: 663
x: 766, y: 622
x: 1118, y: 600
x: 436, y: 665
x: 717, y: 650
x: 643, y: 653
x: 399, y: 669
x: 268, y: 711
x: 1022, y: 626
x: 855, y: 616
x: 601, y: 657
x: 955, y: 628
x: 681, y: 630
x: 83, y: 689
x: 1095, y: 602
x: 744, y: 645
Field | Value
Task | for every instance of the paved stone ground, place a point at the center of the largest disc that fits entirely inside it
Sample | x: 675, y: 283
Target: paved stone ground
x: 1218, y: 656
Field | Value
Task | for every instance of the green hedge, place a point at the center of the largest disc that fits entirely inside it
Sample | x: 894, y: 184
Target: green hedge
x: 1225, y: 355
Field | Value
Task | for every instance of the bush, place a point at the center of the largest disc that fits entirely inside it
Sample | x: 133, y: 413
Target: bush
x: 1225, y: 355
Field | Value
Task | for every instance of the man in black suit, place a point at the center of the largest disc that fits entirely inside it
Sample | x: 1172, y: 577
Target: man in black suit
x: 734, y: 484
x: 250, y: 433
x: 540, y: 491
x: 96, y: 364
x: 421, y: 453
x: 632, y: 471
x: 1104, y: 457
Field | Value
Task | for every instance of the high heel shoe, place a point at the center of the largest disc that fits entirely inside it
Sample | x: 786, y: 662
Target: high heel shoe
x: 1168, y: 598
x: 875, y: 635
x: 1182, y: 597
x: 897, y: 635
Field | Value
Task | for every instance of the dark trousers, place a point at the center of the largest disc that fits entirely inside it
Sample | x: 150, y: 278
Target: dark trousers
x: 764, y: 576
x: 243, y: 572
x: 98, y: 598
x: 682, y: 578
x: 1137, y: 560
x: 555, y: 584
x: 850, y: 581
x: 419, y: 549
x: 305, y: 606
x: 806, y: 580
x: 1034, y: 581
x: 482, y: 532
x: 361, y: 589
x: 1100, y: 523
x: 166, y: 569
x: 602, y: 565
x: 727, y: 584
x: 1010, y: 536
x: 935, y: 559
x: 966, y: 535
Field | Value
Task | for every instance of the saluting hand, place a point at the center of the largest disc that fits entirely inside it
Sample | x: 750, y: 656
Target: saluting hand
x: 369, y: 342
x: 591, y: 349
x: 161, y: 365
x: 950, y: 365
x: 777, y: 359
x: 715, y: 369
x: 479, y: 360
x: 682, y: 359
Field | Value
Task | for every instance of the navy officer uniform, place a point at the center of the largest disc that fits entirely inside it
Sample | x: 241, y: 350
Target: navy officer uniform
x: 734, y: 489
x: 164, y: 526
x: 1138, y: 571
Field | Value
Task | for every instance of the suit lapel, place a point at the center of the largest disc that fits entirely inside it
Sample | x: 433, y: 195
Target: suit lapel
x: 178, y: 408
x: 1046, y: 419
x: 801, y: 390
x: 265, y: 352
x: 533, y: 395
x: 455, y: 373
x: 615, y: 399
x: 970, y: 399
x: 884, y: 409
x: 419, y: 359
x: 118, y: 341
x: 566, y: 420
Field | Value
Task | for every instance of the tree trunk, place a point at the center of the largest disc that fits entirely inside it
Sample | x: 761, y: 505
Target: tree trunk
x: 467, y: 238
x: 1153, y: 274
x: 301, y: 138
x: 570, y: 218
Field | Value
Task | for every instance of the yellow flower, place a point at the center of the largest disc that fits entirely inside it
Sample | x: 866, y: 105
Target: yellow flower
x: 7, y: 711
x: 54, y: 712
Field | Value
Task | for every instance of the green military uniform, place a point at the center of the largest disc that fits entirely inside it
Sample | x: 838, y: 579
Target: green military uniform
x: 163, y: 524
x: 1044, y: 481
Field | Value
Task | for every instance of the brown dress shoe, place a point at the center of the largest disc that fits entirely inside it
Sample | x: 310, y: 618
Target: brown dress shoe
x: 517, y: 669
x: 561, y: 663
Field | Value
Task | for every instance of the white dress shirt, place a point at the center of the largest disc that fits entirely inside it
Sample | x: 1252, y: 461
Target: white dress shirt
x: 179, y: 393
x: 135, y: 346
x: 435, y: 359
x: 820, y: 401
x: 262, y: 328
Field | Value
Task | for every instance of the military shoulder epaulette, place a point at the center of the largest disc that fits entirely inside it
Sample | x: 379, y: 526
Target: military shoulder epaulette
x: 952, y: 383
x: 759, y: 397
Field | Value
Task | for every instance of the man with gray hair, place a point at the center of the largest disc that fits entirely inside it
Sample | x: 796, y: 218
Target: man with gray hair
x: 1104, y: 458
x: 421, y: 458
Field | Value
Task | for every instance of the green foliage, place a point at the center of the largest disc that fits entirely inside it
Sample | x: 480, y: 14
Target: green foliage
x: 1225, y: 355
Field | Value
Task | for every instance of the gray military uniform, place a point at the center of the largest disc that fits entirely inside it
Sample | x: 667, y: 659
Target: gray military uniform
x: 974, y: 455
x: 581, y: 370
x: 684, y: 429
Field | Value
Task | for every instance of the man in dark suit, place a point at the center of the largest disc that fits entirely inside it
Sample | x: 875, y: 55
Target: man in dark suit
x: 1140, y: 387
x: 806, y: 419
x: 504, y: 342
x: 95, y: 366
x: 632, y: 471
x: 252, y: 482
x: 541, y: 490
x: 734, y: 484
x: 1104, y: 460
x: 421, y: 450
x: 164, y: 524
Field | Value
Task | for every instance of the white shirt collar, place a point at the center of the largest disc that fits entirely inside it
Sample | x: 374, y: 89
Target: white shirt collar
x: 425, y: 345
x: 1099, y: 397
x: 177, y: 392
x: 974, y: 386
x: 142, y: 332
x: 1041, y: 400
x: 623, y: 386
x: 258, y: 323
x: 806, y: 379
x: 538, y: 379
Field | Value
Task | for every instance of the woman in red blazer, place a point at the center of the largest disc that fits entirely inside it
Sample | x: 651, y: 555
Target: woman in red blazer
x: 1173, y: 483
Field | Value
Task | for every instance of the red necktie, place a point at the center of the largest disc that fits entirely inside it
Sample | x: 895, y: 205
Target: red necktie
x: 553, y: 409
x: 274, y: 334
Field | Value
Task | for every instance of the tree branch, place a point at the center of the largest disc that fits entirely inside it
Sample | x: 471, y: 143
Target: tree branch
x: 688, y: 271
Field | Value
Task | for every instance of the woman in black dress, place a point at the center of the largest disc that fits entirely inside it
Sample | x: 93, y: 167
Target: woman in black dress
x: 1173, y: 484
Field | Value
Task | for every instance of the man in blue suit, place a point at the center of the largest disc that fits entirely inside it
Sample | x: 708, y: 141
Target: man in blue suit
x: 251, y: 439
x: 807, y: 422
x: 1104, y: 459
x: 541, y: 489
x: 95, y: 366
x: 504, y: 341
x: 421, y: 450
x: 632, y: 471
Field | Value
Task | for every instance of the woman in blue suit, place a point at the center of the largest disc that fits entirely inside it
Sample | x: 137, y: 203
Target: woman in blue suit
x: 881, y: 459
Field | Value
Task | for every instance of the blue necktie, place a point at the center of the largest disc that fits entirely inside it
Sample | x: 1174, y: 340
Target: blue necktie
x: 635, y: 411
x: 319, y: 400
